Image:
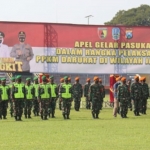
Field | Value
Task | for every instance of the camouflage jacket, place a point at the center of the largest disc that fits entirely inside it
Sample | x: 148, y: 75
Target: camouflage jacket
x: 103, y: 90
x: 95, y: 92
x: 77, y: 90
x: 145, y: 90
x: 123, y: 92
x: 136, y: 91
x: 86, y: 89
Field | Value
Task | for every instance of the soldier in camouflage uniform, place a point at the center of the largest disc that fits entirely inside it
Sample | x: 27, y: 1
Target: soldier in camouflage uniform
x: 44, y: 98
x: 77, y: 93
x: 103, y: 93
x: 35, y: 101
x: 54, y: 96
x: 145, y: 91
x: 11, y: 103
x: 123, y: 96
x: 4, y: 97
x: 86, y: 91
x: 29, y: 95
x: 65, y: 91
x: 60, y: 101
x: 136, y: 95
x: 129, y: 101
x: 95, y: 94
x: 18, y: 96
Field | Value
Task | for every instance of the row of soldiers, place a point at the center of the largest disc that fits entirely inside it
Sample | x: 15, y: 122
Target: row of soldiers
x: 126, y: 94
x: 43, y: 97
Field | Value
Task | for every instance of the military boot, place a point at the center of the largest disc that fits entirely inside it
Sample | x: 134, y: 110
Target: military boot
x: 53, y: 115
x: 20, y: 118
x: 16, y: 118
x: 97, y: 116
x: 64, y: 116
x: 68, y: 117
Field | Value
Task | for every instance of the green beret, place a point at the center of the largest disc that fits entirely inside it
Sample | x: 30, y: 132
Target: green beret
x: 3, y: 79
x: 51, y: 77
x: 43, y: 77
x: 28, y: 79
x: 65, y: 77
x: 18, y: 77
x: 12, y: 78
x: 35, y: 78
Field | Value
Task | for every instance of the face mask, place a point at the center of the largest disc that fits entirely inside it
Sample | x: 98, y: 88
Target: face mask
x: 21, y: 39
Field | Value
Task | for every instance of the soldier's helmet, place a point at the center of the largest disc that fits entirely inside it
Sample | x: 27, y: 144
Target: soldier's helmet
x: 2, y: 34
x: 21, y: 34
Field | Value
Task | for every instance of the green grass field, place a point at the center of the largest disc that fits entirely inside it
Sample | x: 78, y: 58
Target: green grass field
x: 81, y: 132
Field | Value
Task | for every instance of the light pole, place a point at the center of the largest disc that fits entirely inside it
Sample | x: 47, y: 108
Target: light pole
x: 89, y: 17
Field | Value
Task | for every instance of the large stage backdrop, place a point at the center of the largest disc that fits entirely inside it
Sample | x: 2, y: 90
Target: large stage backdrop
x: 68, y: 48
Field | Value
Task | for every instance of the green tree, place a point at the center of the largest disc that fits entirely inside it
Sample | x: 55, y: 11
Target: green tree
x: 133, y: 17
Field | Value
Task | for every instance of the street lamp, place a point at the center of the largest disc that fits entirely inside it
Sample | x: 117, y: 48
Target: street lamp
x: 89, y: 17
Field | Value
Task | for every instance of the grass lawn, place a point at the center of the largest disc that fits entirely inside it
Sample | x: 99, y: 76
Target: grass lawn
x: 81, y: 132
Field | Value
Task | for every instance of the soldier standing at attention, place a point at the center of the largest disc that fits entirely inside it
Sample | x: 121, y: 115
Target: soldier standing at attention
x: 122, y: 96
x: 29, y: 95
x: 77, y: 93
x: 22, y: 52
x: 145, y: 91
x: 18, y: 95
x: 44, y: 98
x: 66, y: 95
x: 11, y: 102
x: 86, y: 91
x: 60, y: 101
x: 54, y: 96
x: 95, y: 94
x: 103, y: 93
x: 35, y: 100
x: 4, y: 97
x: 136, y: 95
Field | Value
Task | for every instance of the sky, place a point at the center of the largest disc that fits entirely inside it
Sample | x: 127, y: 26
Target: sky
x: 65, y: 11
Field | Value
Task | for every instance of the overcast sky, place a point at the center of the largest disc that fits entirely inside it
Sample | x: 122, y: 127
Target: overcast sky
x: 64, y: 11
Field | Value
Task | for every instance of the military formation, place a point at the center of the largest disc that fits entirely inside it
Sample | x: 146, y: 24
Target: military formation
x: 128, y: 94
x: 40, y: 98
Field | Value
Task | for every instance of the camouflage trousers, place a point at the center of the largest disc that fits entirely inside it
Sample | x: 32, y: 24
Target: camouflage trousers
x: 144, y: 105
x: 11, y: 107
x: 96, y: 105
x: 18, y: 105
x: 44, y: 104
x: 52, y: 106
x: 77, y: 101
x: 88, y: 104
x: 27, y: 107
x: 123, y: 107
x: 101, y: 103
x: 35, y: 106
x: 66, y: 106
x: 60, y: 103
x: 3, y: 108
x: 137, y: 105
x: 130, y: 103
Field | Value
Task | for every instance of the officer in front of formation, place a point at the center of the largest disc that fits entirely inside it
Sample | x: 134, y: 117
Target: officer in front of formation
x: 4, y: 97
x: 86, y: 91
x: 35, y: 99
x: 22, y: 52
x: 77, y: 93
x: 95, y: 94
x: 123, y: 97
x: 54, y: 96
x: 44, y: 98
x: 29, y: 95
x: 136, y: 95
x: 18, y: 96
x: 66, y: 92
